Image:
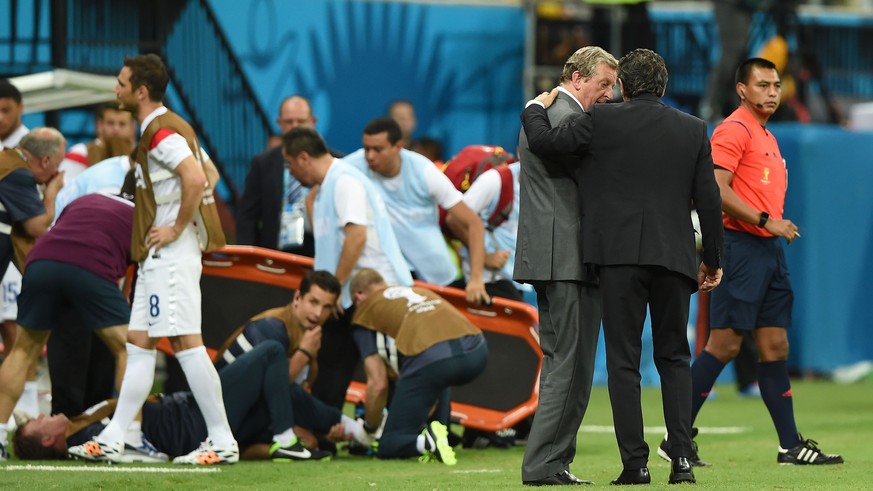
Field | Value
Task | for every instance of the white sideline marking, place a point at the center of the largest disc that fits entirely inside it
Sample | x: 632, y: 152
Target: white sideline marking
x: 712, y: 430
x: 476, y: 471
x: 71, y: 468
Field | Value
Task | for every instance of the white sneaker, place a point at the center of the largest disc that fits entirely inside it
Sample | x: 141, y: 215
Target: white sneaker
x: 96, y: 450
x: 210, y: 454
x: 145, y: 453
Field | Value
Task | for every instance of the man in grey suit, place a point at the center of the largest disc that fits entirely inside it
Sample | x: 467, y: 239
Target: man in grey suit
x: 549, y: 257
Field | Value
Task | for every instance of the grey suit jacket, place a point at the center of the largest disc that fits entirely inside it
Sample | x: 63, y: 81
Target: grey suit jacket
x: 548, y: 246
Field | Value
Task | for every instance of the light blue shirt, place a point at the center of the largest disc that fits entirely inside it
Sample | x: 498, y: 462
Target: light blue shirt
x: 414, y: 216
x: 106, y: 176
x: 328, y: 231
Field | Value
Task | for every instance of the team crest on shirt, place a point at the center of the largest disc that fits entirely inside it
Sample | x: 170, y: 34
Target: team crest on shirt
x: 766, y: 178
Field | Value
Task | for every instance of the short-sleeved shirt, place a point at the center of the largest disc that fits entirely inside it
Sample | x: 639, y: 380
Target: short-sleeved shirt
x: 166, y: 151
x: 742, y: 146
x: 21, y: 201
x: 352, y: 206
x: 93, y: 233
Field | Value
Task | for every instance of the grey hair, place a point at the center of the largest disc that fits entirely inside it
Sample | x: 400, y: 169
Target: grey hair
x: 585, y: 61
x: 43, y: 141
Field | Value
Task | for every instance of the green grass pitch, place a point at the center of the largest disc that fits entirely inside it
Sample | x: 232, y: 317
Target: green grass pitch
x: 737, y: 437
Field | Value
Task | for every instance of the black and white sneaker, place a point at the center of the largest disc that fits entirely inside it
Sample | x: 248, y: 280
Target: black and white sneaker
x: 664, y: 451
x: 297, y: 451
x: 806, y: 453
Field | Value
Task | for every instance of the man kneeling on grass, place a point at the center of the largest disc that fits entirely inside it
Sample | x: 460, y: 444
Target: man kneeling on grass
x: 261, y: 408
x: 440, y: 348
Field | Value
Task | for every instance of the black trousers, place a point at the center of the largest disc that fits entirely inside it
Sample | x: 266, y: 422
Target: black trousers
x: 81, y: 367
x: 256, y: 400
x: 337, y: 360
x: 626, y: 291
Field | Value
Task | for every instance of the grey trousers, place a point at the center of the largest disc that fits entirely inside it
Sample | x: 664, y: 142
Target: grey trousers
x: 569, y: 315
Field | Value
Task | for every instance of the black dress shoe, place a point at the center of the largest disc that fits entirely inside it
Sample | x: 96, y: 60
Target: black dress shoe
x: 563, y: 478
x: 681, y: 471
x: 633, y: 476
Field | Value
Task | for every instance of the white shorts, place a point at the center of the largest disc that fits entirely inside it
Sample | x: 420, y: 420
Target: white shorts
x: 10, y: 287
x: 167, y: 297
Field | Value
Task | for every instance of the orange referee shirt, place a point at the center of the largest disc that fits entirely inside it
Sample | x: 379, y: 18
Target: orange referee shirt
x: 748, y: 150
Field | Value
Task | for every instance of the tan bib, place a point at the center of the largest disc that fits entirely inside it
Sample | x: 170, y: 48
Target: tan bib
x: 207, y: 220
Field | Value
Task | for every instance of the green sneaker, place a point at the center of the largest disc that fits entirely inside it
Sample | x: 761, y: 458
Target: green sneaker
x: 436, y: 444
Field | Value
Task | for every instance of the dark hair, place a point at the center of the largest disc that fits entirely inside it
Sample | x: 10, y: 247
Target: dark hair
x: 304, y: 139
x: 744, y: 71
x: 642, y: 71
x: 383, y: 125
x: 30, y: 447
x: 429, y: 147
x: 102, y: 109
x: 7, y: 90
x: 149, y: 71
x: 321, y: 279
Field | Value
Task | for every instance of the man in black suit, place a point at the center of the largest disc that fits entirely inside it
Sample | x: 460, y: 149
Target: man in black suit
x: 548, y: 257
x: 268, y: 189
x: 644, y: 166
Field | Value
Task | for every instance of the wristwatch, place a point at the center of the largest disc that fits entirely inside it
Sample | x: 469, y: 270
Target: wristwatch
x: 764, y: 217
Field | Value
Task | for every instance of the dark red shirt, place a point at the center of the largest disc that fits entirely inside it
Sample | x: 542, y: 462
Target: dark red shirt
x: 93, y: 232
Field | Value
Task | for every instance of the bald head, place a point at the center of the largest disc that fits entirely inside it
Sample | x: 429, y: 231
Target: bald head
x: 293, y: 112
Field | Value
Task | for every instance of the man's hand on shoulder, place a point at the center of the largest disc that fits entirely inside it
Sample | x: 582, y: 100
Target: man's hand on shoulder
x: 547, y: 98
x: 543, y: 100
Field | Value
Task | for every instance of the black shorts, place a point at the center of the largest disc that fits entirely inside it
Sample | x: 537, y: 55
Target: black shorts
x: 756, y: 288
x: 49, y: 286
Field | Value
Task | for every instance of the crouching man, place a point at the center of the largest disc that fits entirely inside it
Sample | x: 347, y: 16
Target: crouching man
x: 440, y: 349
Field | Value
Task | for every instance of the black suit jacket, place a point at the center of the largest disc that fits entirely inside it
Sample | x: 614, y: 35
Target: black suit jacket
x: 260, y: 207
x: 645, y: 165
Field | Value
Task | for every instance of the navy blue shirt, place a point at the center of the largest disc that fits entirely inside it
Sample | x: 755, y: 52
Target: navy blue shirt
x: 21, y: 199
x: 256, y: 332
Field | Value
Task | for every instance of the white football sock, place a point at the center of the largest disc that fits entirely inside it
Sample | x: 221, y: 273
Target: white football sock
x: 206, y: 387
x: 286, y: 438
x: 133, y: 435
x: 4, y: 434
x: 135, y: 387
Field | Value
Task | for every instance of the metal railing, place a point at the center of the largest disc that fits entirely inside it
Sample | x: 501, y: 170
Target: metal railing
x: 215, y: 91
